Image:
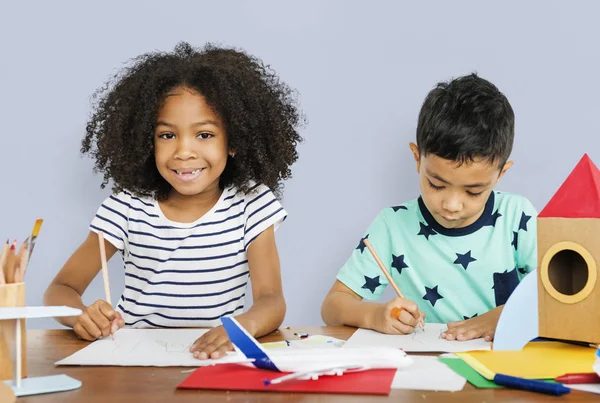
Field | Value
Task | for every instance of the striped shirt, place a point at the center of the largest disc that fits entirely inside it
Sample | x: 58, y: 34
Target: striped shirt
x: 185, y: 274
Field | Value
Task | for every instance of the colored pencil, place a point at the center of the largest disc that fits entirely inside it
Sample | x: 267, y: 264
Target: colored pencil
x: 530, y: 385
x: 23, y: 256
x: 513, y: 382
x: 388, y: 276
x: 104, y: 270
x: 590, y: 377
x: 34, y: 234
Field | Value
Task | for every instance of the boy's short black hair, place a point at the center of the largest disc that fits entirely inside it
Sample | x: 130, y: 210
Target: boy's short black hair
x: 465, y: 119
x: 258, y: 110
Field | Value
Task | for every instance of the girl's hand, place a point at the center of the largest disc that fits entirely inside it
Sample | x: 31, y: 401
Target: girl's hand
x: 98, y: 320
x: 474, y: 328
x: 403, y: 323
x: 213, y: 344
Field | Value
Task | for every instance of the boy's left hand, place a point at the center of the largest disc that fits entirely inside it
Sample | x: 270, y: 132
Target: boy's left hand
x: 474, y: 328
x: 213, y: 344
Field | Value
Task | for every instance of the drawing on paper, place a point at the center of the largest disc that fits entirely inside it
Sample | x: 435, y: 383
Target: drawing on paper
x: 144, y: 347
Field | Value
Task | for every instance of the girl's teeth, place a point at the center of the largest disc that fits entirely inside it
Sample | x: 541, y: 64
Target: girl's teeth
x: 194, y: 172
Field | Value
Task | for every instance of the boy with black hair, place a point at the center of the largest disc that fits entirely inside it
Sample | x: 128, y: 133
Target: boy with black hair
x: 460, y: 249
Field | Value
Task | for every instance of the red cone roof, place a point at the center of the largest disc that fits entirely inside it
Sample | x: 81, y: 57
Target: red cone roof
x: 579, y: 195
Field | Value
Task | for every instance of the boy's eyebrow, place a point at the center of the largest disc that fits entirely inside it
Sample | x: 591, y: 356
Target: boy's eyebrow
x: 201, y: 123
x: 477, y: 185
x: 471, y: 185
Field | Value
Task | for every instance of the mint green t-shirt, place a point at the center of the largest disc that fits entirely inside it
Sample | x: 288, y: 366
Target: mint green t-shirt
x: 452, y: 274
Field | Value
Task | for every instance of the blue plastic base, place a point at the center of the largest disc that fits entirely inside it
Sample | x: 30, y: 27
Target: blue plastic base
x: 44, y: 384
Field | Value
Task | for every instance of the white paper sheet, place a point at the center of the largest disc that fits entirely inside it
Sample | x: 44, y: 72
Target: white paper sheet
x: 146, y: 347
x: 586, y: 387
x: 421, y: 340
x: 428, y: 373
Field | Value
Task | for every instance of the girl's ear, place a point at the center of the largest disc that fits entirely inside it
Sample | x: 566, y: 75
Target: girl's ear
x: 231, y: 153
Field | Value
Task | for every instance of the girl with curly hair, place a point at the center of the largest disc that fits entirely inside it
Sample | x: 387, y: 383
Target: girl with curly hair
x: 195, y: 144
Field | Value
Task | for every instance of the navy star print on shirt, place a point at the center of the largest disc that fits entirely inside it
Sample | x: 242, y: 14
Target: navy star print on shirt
x: 464, y: 259
x: 396, y: 208
x: 523, y: 222
x: 398, y: 263
x: 515, y: 241
x: 492, y: 219
x: 469, y: 317
x: 426, y: 230
x: 361, y: 245
x: 504, y: 284
x: 432, y: 295
x: 371, y: 283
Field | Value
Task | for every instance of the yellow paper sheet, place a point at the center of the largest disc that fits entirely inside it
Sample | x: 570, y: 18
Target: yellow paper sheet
x: 538, y: 360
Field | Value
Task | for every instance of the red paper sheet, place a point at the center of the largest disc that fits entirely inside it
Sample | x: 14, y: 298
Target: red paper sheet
x: 238, y: 377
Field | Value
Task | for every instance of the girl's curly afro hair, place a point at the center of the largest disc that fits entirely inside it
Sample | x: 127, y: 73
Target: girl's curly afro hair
x: 258, y: 110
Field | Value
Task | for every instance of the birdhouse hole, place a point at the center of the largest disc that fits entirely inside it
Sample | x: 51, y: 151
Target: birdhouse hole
x: 568, y: 272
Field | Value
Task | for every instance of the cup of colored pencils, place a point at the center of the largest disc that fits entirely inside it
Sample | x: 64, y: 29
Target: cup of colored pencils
x: 13, y: 266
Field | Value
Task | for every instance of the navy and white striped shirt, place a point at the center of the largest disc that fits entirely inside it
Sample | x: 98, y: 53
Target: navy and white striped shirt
x: 185, y: 274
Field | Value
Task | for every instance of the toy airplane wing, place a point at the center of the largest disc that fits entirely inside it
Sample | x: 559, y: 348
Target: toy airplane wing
x: 310, y: 363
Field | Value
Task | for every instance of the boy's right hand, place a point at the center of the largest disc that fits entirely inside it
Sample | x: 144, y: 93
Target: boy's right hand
x: 410, y: 316
x: 98, y: 320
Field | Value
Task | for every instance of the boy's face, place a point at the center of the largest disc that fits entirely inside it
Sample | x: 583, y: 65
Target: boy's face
x: 190, y: 144
x: 454, y: 194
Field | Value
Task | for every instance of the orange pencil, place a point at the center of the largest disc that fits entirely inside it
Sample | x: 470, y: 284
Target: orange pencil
x: 390, y: 280
x: 104, y: 269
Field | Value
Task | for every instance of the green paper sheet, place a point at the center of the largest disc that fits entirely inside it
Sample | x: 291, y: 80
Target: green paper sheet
x: 463, y: 369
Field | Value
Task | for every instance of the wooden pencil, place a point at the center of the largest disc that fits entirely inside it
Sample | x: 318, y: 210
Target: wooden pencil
x: 104, y: 272
x: 34, y: 234
x: 383, y: 268
x: 387, y: 274
x: 104, y: 267
x: 23, y: 259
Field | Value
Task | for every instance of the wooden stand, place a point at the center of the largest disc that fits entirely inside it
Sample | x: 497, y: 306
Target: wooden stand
x: 12, y: 295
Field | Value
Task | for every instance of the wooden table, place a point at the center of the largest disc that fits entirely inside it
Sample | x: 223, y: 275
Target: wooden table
x: 153, y: 384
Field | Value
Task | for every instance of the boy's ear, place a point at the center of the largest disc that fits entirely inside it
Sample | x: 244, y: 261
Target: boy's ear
x: 505, y: 168
x: 415, y: 151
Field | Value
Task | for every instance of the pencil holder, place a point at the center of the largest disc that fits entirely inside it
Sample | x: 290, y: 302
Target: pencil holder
x: 11, y: 295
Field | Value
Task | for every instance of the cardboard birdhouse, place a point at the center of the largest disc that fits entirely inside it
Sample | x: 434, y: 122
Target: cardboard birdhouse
x: 561, y: 298
x: 569, y: 258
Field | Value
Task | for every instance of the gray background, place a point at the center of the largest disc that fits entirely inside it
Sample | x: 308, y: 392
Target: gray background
x: 363, y: 69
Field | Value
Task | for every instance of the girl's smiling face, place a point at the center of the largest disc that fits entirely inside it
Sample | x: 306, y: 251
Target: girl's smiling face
x: 190, y: 144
